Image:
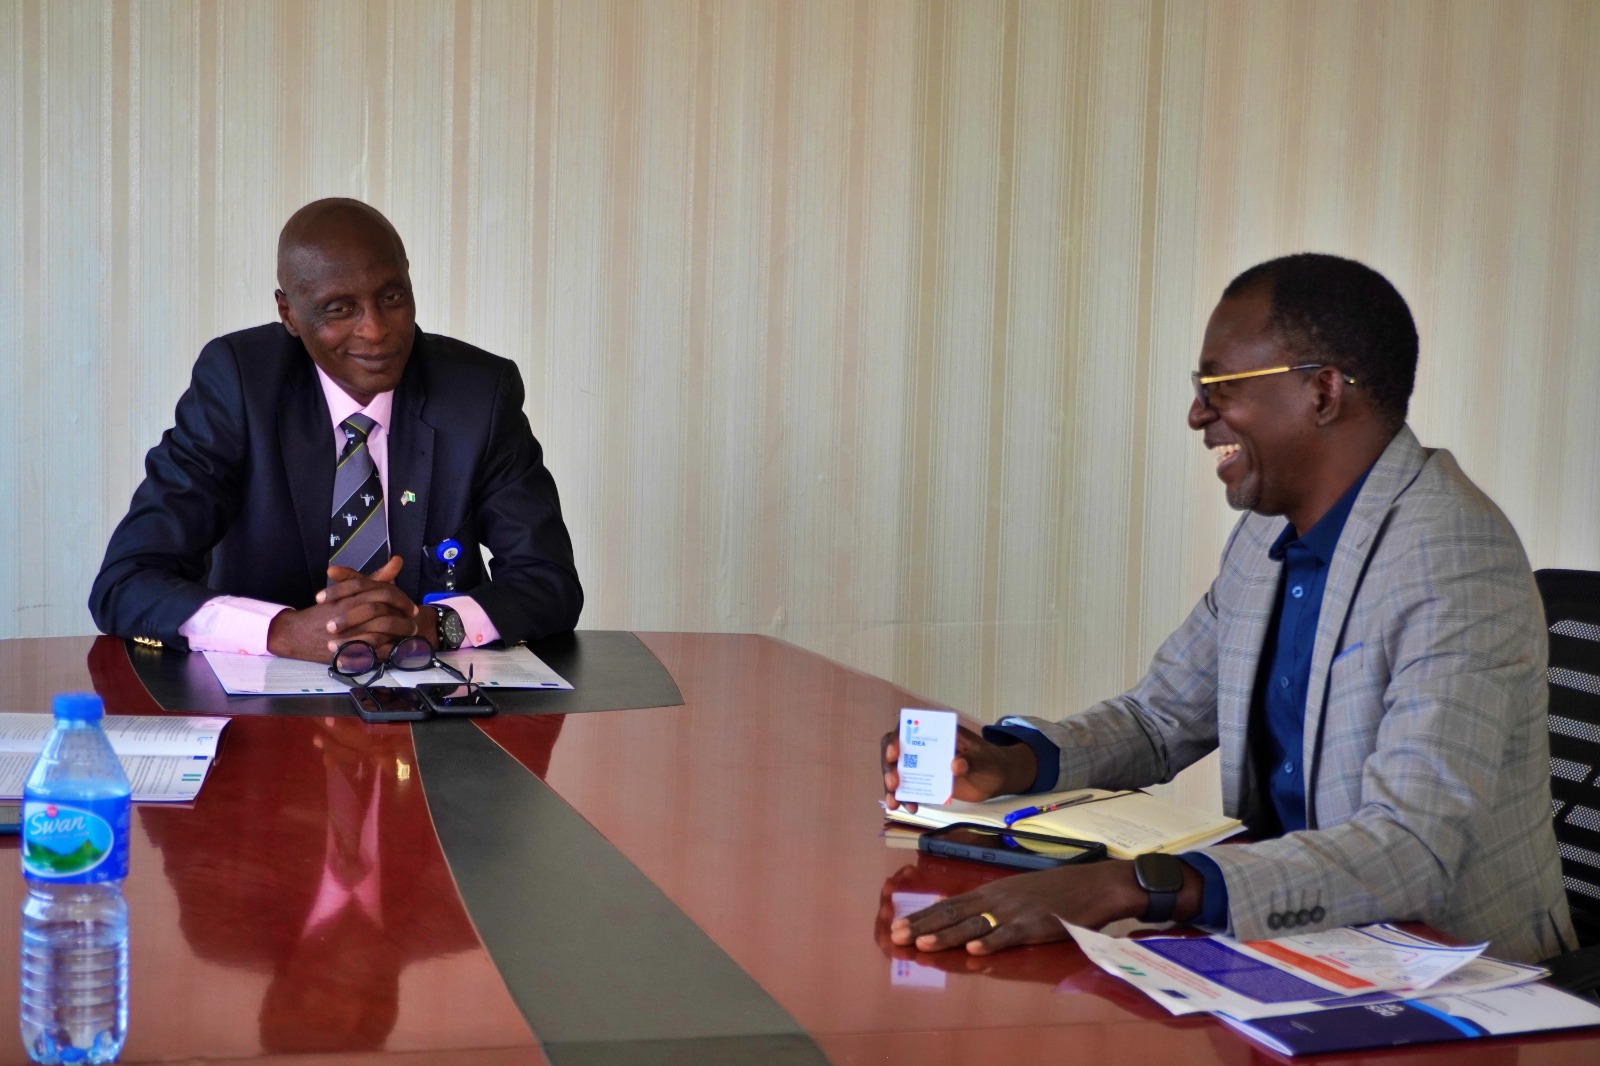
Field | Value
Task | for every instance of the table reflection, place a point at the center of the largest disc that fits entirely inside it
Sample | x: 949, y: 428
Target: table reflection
x: 930, y: 879
x: 319, y: 867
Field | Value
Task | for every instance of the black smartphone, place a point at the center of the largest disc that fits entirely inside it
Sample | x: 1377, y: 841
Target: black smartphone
x: 451, y: 699
x: 388, y: 703
x: 1008, y: 847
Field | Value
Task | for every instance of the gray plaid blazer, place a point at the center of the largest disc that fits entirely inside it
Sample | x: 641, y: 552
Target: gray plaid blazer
x: 1426, y: 753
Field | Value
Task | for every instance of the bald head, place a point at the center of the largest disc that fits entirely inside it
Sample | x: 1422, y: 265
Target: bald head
x: 334, y: 225
x: 344, y: 289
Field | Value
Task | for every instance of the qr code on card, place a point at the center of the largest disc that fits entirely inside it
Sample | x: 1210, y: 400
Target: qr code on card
x: 910, y: 760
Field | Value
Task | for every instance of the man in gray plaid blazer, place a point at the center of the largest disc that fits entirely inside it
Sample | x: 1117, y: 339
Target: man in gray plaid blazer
x: 1373, y: 670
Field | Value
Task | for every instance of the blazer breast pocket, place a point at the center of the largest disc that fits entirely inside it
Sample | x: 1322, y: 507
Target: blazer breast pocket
x: 1352, y: 676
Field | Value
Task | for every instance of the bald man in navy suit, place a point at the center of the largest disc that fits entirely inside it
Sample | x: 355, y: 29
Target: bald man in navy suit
x: 227, y: 545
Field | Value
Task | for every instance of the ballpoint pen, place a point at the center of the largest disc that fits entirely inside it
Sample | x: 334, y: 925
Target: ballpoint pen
x: 1029, y: 812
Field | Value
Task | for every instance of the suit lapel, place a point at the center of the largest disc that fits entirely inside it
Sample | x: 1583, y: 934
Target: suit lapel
x: 305, y: 440
x: 410, y: 471
x: 1396, y: 468
x: 1239, y: 660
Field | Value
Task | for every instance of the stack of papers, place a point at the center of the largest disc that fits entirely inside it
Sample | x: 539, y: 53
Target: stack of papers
x: 1340, y: 989
x: 166, y: 758
x: 1127, y: 823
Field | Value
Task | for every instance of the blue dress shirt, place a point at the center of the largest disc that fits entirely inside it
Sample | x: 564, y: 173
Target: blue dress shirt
x: 1279, y: 701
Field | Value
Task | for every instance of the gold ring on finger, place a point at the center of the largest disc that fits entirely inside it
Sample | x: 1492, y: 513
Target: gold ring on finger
x: 994, y: 923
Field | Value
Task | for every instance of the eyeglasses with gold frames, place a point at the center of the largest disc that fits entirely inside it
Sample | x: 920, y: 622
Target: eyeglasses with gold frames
x: 1201, y: 382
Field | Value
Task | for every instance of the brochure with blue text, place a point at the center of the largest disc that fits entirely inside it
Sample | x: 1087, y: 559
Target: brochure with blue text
x: 1527, y: 1008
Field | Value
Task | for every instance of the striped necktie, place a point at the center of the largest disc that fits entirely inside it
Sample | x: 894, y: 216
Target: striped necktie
x: 359, y: 535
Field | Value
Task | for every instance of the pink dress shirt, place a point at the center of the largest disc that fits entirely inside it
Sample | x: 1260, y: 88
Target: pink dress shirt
x: 238, y: 623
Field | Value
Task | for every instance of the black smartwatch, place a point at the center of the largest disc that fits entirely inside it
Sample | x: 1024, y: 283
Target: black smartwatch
x: 1162, y: 876
x: 451, y: 631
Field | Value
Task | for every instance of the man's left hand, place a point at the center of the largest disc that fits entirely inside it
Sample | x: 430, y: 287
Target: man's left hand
x: 1029, y: 908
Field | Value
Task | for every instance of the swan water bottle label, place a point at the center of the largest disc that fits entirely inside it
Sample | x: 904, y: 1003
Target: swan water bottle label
x: 81, y: 841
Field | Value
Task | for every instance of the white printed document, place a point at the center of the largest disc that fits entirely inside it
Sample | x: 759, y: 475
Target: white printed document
x: 166, y: 758
x: 268, y: 675
x: 1296, y: 974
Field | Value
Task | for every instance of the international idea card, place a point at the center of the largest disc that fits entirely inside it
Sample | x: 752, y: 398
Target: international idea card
x: 927, y: 744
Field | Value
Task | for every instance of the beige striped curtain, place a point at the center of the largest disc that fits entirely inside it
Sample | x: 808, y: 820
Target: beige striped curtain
x: 865, y: 325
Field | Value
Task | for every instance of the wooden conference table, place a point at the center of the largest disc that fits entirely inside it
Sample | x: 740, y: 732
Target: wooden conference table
x: 699, y: 883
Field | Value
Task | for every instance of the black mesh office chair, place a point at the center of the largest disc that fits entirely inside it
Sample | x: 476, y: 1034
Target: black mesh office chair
x: 1572, y: 611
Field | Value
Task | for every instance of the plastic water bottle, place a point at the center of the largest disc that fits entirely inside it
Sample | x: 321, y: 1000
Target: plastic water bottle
x: 75, y: 921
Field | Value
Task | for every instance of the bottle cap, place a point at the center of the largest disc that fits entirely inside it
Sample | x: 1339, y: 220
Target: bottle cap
x: 79, y: 707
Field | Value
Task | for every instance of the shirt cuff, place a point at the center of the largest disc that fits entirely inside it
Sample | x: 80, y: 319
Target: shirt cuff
x: 1213, y: 914
x: 231, y: 623
x: 1045, y: 752
x: 474, y: 621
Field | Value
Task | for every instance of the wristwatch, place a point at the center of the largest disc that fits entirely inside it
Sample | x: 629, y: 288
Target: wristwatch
x: 1161, y: 876
x: 451, y: 631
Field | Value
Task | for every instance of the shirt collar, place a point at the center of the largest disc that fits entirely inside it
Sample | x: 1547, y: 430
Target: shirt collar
x: 341, y: 406
x: 1324, y: 536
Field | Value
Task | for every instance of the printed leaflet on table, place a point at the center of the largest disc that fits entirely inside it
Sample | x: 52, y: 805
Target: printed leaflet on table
x: 166, y: 758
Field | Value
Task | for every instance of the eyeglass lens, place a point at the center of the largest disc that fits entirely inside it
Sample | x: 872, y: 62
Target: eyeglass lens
x: 412, y: 653
x: 355, y: 658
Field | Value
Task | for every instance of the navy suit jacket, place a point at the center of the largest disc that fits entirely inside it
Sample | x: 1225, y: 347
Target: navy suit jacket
x: 237, y: 495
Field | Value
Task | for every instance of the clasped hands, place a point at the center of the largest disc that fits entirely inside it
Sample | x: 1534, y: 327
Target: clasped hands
x: 1026, y: 908
x: 354, y: 606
